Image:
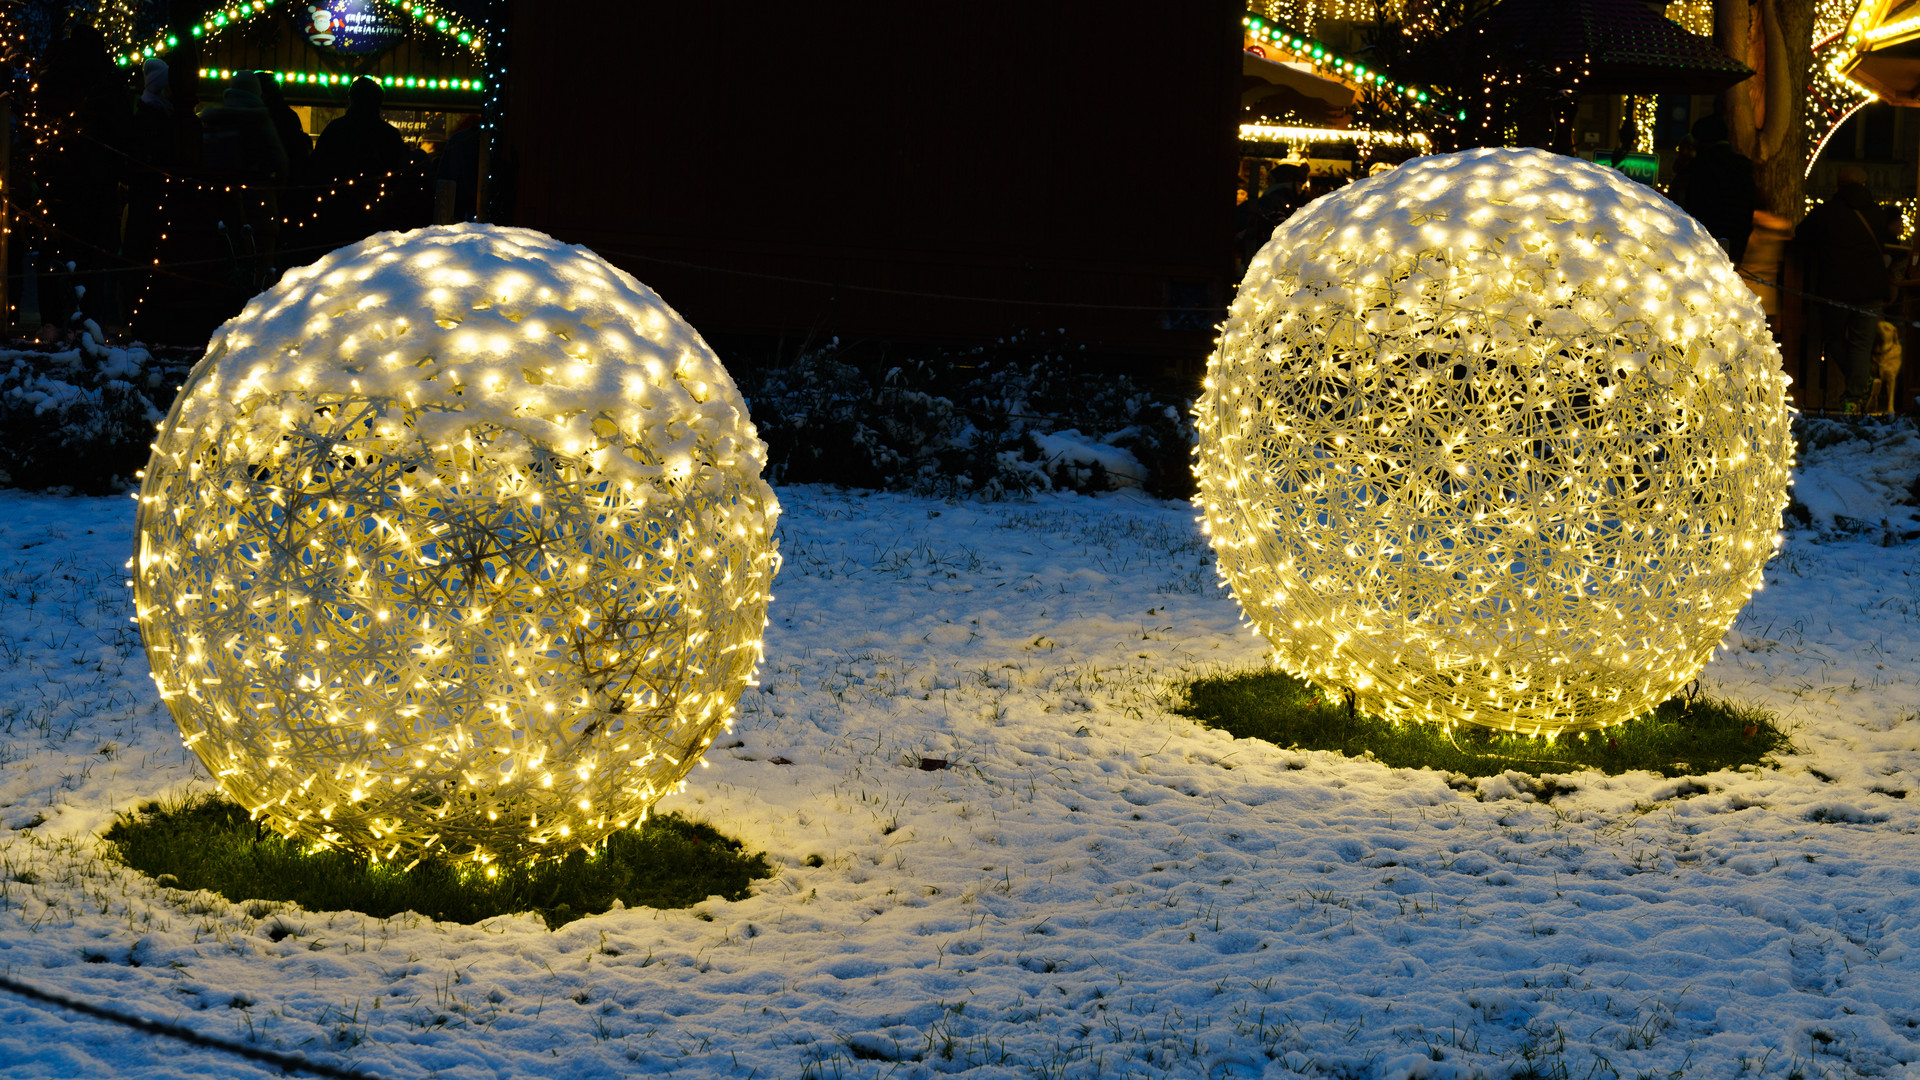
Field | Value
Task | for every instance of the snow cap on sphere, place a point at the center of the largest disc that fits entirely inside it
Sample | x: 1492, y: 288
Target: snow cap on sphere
x: 446, y: 318
x: 1467, y: 212
x: 1496, y: 437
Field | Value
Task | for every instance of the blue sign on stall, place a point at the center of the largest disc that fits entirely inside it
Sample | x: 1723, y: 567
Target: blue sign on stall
x: 350, y: 27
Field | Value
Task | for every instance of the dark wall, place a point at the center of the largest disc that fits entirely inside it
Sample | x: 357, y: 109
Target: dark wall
x: 1051, y: 154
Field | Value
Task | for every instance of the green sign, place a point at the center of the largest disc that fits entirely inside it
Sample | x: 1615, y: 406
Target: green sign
x: 1642, y: 167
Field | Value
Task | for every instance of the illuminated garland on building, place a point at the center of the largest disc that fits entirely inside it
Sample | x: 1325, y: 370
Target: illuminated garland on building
x: 1306, y: 13
x: 1646, y: 118
x: 1832, y: 97
x: 1279, y: 133
x: 1694, y: 16
x: 1326, y: 61
x: 450, y: 24
x: 325, y: 78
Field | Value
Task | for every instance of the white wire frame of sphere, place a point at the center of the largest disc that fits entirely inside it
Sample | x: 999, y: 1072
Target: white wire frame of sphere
x: 1495, y: 438
x: 456, y: 544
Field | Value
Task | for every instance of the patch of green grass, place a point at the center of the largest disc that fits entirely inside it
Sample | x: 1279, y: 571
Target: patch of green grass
x: 1683, y: 737
x: 208, y: 843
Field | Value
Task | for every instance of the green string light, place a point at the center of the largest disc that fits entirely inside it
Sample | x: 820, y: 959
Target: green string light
x: 1319, y: 52
x: 318, y: 78
x: 219, y: 20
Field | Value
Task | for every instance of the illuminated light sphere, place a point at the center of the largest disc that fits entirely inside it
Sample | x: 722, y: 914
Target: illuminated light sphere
x: 1495, y: 437
x: 455, y: 541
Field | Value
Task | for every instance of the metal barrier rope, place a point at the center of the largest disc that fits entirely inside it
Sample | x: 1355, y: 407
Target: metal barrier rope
x: 1818, y: 299
x: 283, y: 1062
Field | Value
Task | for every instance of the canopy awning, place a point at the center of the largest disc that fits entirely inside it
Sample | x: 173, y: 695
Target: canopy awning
x: 1588, y: 46
x: 1271, y: 89
x: 1883, y: 41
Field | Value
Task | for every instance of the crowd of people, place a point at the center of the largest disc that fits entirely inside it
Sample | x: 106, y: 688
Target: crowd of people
x: 130, y: 169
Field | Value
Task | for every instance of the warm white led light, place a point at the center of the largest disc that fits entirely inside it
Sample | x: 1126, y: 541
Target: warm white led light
x: 455, y: 540
x: 1496, y: 437
x: 1284, y: 133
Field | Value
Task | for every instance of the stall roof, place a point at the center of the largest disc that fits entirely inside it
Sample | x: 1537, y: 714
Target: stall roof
x: 1883, y: 50
x: 1598, y: 46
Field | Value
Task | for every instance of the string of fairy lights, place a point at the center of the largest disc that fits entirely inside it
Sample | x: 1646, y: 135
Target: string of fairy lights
x: 1385, y: 103
x: 1840, y: 28
x: 1324, y: 59
x: 1306, y: 14
x: 302, y: 211
x: 328, y: 78
x: 1291, y: 134
x: 56, y: 152
x: 431, y: 16
x: 1832, y: 97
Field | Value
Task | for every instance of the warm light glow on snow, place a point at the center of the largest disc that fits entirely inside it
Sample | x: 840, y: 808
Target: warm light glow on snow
x: 456, y: 539
x: 1496, y: 437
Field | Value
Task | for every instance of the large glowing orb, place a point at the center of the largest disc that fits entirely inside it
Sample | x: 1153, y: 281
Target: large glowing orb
x: 455, y: 540
x: 1496, y: 437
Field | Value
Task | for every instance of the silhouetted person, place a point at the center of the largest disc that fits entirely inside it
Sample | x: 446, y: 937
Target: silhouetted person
x: 459, y: 162
x: 183, y: 86
x: 82, y: 97
x: 239, y: 140
x: 286, y: 124
x: 238, y: 136
x: 1841, y: 242
x: 77, y: 72
x: 1719, y: 187
x: 153, y: 116
x: 361, y: 142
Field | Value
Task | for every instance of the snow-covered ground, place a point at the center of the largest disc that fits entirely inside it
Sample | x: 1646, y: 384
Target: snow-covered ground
x: 1093, y: 887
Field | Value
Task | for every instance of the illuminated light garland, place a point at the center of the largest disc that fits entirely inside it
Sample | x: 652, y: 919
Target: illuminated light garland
x: 1827, y: 135
x: 1304, y: 13
x: 1497, y: 438
x: 323, y: 78
x: 1881, y: 33
x: 1646, y: 118
x: 1832, y: 96
x: 455, y: 541
x: 449, y: 24
x: 1278, y: 133
x: 1319, y: 56
x: 1694, y: 16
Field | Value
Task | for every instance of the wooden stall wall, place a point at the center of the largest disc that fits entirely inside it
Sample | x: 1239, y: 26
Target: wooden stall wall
x: 993, y: 167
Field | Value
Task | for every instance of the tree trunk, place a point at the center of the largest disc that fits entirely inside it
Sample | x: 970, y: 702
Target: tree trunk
x: 1766, y: 115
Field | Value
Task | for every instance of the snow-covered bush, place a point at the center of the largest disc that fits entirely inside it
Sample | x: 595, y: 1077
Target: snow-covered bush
x: 992, y: 421
x: 1857, y: 478
x: 79, y: 417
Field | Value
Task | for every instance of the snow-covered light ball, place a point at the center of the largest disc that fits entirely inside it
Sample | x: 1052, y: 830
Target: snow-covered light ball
x: 455, y: 541
x: 1497, y: 437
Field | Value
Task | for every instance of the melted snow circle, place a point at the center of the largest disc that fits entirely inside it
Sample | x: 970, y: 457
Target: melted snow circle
x: 455, y: 541
x: 1495, y: 437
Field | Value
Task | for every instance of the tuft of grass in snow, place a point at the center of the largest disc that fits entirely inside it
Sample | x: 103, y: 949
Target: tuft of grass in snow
x: 1683, y: 737
x: 208, y: 843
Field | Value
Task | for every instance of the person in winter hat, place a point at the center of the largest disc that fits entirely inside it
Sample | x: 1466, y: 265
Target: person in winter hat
x: 153, y: 116
x: 360, y: 142
x: 238, y: 136
x: 286, y: 123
